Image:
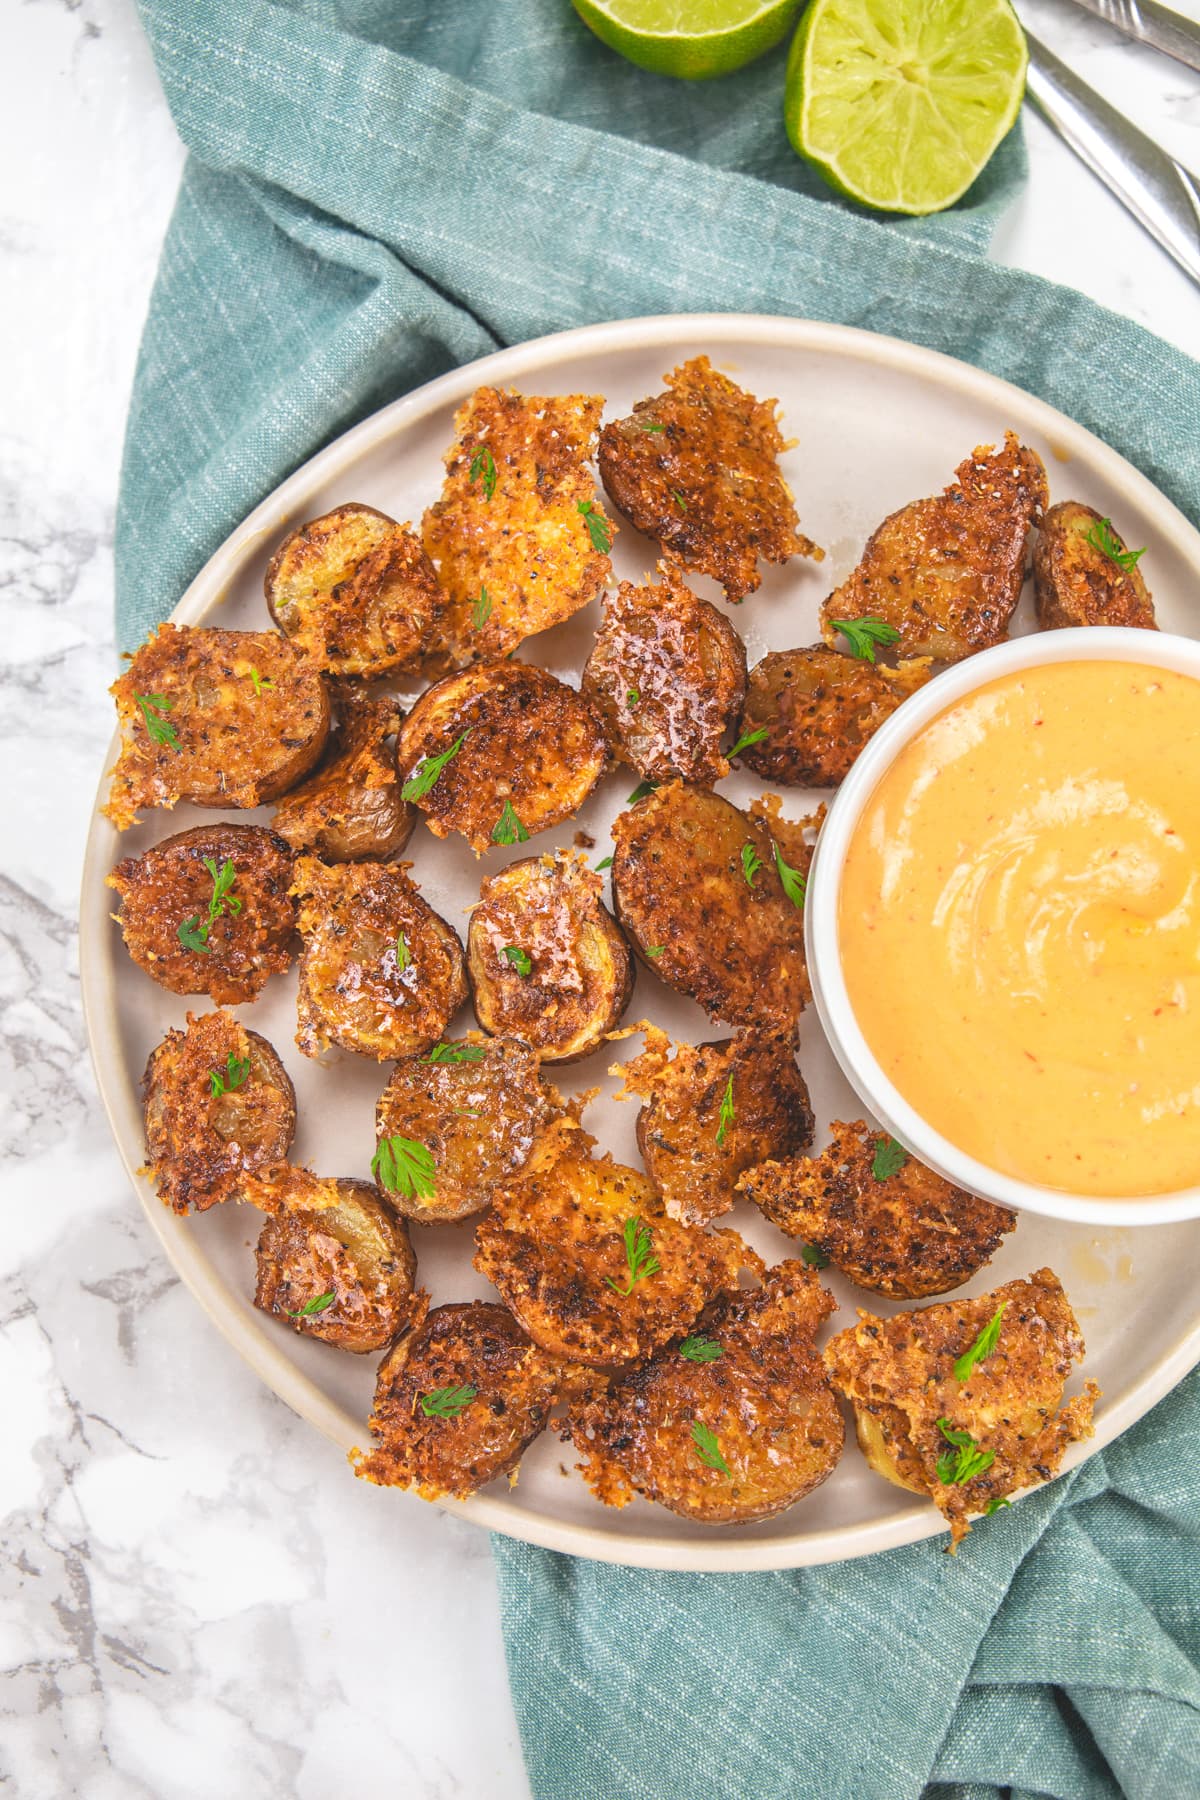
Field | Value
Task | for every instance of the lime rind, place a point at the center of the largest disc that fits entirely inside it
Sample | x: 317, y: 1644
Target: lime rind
x: 691, y: 41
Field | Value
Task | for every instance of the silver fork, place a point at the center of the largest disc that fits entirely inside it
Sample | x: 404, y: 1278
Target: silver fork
x: 1149, y: 23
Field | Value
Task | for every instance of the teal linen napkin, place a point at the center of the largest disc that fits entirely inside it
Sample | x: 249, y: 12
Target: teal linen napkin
x: 375, y: 193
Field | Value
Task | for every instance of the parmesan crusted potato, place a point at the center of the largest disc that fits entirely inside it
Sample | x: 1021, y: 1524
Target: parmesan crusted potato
x: 904, y: 1232
x: 350, y: 809
x: 457, y: 1403
x: 333, y: 1259
x: 217, y: 1104
x: 667, y: 675
x: 517, y: 536
x: 499, y: 753
x: 479, y: 1108
x: 899, y: 1375
x: 1076, y: 582
x: 584, y: 1253
x: 698, y: 469
x: 356, y: 592
x: 713, y: 1110
x: 698, y: 890
x: 818, y: 709
x: 381, y: 973
x: 545, y: 958
x: 946, y: 573
x: 736, y: 1422
x: 220, y: 718
x: 195, y: 931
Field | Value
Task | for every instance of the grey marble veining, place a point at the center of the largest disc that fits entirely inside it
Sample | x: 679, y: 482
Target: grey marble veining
x: 195, y: 1598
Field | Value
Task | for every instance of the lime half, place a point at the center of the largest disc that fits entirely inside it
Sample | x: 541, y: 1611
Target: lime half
x: 900, y: 103
x: 692, y: 38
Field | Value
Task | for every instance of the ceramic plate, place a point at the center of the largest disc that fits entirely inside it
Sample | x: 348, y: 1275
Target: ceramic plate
x: 875, y: 423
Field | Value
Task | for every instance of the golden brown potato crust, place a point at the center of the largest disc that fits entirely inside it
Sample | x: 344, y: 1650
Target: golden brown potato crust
x: 1077, y: 584
x: 357, y: 593
x: 477, y: 1346
x: 330, y: 1237
x: 169, y: 885
x: 381, y: 973
x: 818, y: 709
x: 509, y: 534
x: 898, y: 1374
x: 554, y: 1245
x: 667, y: 675
x: 734, y: 944
x: 697, y: 468
x: 908, y: 1235
x: 529, y: 741
x: 200, y: 1147
x: 350, y: 810
x: 478, y: 1117
x: 947, y: 571
x: 580, y: 971
x: 713, y: 1110
x: 766, y: 1399
x: 220, y: 738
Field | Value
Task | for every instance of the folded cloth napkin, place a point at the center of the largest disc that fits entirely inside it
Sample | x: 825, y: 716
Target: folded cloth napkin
x: 374, y: 194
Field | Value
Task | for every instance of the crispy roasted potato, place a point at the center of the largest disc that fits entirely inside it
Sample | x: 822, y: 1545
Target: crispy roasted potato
x: 523, y: 752
x: 698, y: 469
x: 457, y: 1403
x: 572, y: 975
x: 217, y: 1104
x: 356, y: 592
x: 518, y: 538
x: 738, y: 1437
x: 584, y: 1253
x: 713, y: 1110
x: 818, y: 709
x: 350, y: 809
x: 899, y: 1376
x: 381, y: 973
x: 667, y: 675
x: 946, y: 572
x: 697, y: 888
x: 478, y: 1107
x: 906, y: 1234
x: 169, y: 927
x: 227, y: 719
x: 333, y: 1259
x: 1076, y: 582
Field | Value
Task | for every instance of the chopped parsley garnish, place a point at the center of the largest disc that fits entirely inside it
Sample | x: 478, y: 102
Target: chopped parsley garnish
x: 599, y: 529
x: 795, y: 884
x: 405, y: 1167
x: 481, y: 612
x: 632, y: 698
x: 260, y: 682
x: 640, y: 1260
x: 237, y: 1069
x: 965, y: 1461
x: 403, y: 953
x: 154, y: 706
x: 751, y: 863
x: 983, y: 1346
x: 427, y: 771
x: 679, y: 500
x: 1101, y: 536
x: 650, y: 425
x: 641, y: 791
x: 700, y: 1349
x: 728, y: 1112
x: 744, y: 742
x: 318, y: 1304
x: 483, y: 468
x: 862, y: 635
x: 654, y: 949
x: 456, y: 1053
x: 888, y: 1160
x: 604, y: 863
x: 193, y: 933
x: 995, y: 1503
x: 520, y: 959
x: 708, y: 1449
x: 814, y: 1256
x: 508, y: 829
x: 447, y: 1402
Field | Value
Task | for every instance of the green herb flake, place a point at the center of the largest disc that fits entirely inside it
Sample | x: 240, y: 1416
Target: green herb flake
x: 599, y: 529
x: 318, y: 1304
x: 447, y: 1402
x: 483, y: 468
x: 650, y: 425
x: 728, y: 1112
x: 193, y: 933
x: 640, y: 1260
x: 814, y: 1256
x: 982, y: 1348
x: 700, y: 1349
x: 427, y: 772
x: 194, y: 936
x: 604, y: 863
x: 795, y: 884
x: 1101, y: 536
x: 153, y: 707
x: 679, y: 500
x: 259, y: 682
x: 236, y: 1071
x: 632, y: 698
x: 405, y: 1167
x: 403, y: 953
x: 481, y: 612
x: 654, y: 949
x: 708, y: 1449
x: 456, y: 1053
x: 888, y: 1160
x: 965, y: 1461
x: 995, y: 1503
x: 520, y: 959
x: 751, y: 863
x: 641, y: 792
x: 508, y: 829
x: 744, y: 742
x: 862, y: 635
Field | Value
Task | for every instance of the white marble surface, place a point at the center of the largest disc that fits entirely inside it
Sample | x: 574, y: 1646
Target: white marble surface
x: 196, y: 1599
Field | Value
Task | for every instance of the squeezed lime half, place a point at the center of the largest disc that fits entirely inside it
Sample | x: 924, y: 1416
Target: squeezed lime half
x: 695, y: 39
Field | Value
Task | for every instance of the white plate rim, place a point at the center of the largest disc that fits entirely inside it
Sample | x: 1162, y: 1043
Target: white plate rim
x: 97, y: 970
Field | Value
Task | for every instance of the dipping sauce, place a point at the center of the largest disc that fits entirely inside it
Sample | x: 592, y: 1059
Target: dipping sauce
x: 1019, y: 925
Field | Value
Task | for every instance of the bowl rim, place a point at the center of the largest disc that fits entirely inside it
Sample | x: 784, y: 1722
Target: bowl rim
x: 1104, y: 643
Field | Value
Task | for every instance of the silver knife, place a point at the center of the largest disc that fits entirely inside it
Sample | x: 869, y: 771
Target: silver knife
x: 1162, y: 195
x: 1148, y: 23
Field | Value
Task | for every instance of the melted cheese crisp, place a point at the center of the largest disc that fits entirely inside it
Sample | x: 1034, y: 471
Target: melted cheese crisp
x: 1019, y: 924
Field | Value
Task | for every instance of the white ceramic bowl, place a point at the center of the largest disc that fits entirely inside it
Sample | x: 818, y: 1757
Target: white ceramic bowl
x: 858, y: 1062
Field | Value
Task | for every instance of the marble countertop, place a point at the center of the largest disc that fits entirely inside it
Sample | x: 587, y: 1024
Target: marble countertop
x: 196, y: 1599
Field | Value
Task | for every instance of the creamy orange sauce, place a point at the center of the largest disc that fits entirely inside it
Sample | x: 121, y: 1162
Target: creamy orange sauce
x: 1019, y: 924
